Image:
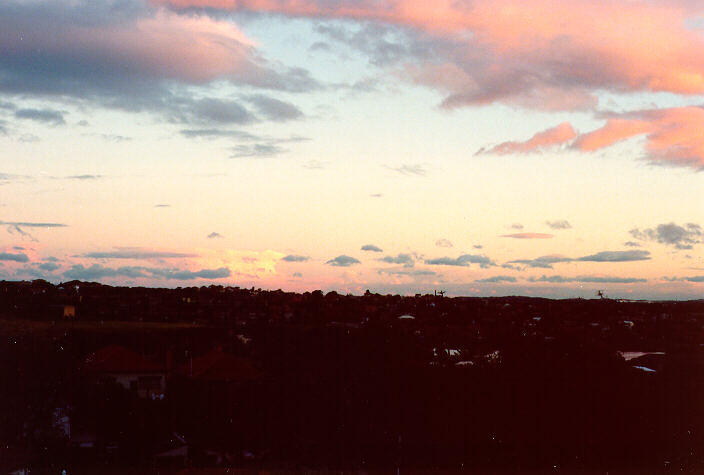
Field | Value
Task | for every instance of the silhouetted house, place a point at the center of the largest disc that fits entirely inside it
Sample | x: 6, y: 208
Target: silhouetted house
x: 128, y: 369
x: 217, y: 398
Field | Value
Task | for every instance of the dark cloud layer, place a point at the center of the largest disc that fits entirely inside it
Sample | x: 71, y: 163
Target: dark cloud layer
x: 137, y: 254
x: 46, y: 116
x: 19, y: 257
x: 97, y: 272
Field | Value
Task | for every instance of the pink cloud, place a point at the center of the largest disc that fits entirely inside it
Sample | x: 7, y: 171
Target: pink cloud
x: 558, y: 135
x: 673, y: 136
x: 527, y: 236
x: 548, y: 53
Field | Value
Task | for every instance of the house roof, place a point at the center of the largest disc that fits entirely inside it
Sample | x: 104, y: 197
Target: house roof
x: 219, y: 366
x: 118, y: 359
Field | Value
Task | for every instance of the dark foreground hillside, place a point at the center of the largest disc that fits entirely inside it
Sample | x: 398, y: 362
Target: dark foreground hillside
x: 95, y: 379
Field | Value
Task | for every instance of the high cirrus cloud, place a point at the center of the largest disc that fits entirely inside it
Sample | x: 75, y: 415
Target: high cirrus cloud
x: 546, y: 53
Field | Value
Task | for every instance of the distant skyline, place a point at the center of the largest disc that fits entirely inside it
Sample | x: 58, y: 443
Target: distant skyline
x: 533, y: 147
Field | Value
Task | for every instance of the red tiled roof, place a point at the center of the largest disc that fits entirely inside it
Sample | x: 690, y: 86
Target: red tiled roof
x: 118, y: 359
x: 218, y: 366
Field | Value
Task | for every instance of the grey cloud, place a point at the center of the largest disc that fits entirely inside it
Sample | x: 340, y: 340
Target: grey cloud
x: 297, y: 274
x: 371, y: 248
x: 315, y: 165
x: 631, y: 244
x: 295, y: 258
x: 478, y: 246
x: 557, y: 279
x: 19, y: 257
x: 462, y: 261
x: 136, y: 254
x: 220, y: 111
x: 517, y: 226
x: 405, y: 259
x: 257, y: 150
x: 559, y: 224
x: 410, y: 169
x: 671, y: 234
x: 413, y: 273
x: 174, y: 274
x: 214, y: 235
x: 376, y: 195
x: 46, y: 116
x: 617, y: 256
x: 497, y: 279
x: 528, y: 236
x: 343, y: 261
x: 96, y: 272
x: 25, y: 224
x: 443, y: 243
x: 697, y: 278
x: 83, y: 177
x: 544, y: 262
x: 274, y: 109
x: 48, y: 266
x: 217, y: 133
x: 162, y: 205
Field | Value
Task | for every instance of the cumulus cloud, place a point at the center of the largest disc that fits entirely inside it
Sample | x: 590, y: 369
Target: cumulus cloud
x: 343, y: 261
x: 671, y: 234
x: 497, y: 279
x: 120, y: 55
x: 406, y: 259
x: 443, y: 243
x: 527, y: 236
x: 371, y: 248
x: 295, y: 258
x: 49, y: 266
x: 537, y: 53
x: 214, y: 235
x: 137, y: 254
x: 558, y: 135
x: 559, y: 224
x: 462, y: 261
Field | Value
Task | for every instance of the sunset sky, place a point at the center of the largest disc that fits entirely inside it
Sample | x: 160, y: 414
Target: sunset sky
x: 484, y: 147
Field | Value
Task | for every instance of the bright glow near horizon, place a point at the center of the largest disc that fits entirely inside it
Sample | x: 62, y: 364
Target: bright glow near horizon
x: 198, y: 142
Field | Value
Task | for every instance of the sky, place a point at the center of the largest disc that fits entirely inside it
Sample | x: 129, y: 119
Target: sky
x: 505, y: 147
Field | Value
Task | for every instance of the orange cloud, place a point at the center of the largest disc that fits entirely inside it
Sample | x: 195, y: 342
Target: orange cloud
x: 673, y: 136
x: 558, y: 135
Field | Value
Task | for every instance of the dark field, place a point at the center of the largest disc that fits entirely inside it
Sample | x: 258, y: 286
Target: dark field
x: 96, y: 379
